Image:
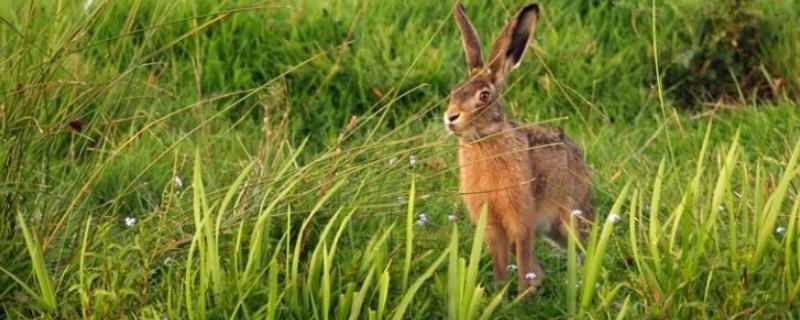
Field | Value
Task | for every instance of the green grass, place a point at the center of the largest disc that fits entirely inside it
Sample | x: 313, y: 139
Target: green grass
x: 225, y: 128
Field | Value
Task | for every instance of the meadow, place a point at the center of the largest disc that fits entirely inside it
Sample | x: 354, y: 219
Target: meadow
x: 287, y: 159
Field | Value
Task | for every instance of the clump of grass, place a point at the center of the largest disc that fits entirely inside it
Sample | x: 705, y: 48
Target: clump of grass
x: 729, y: 58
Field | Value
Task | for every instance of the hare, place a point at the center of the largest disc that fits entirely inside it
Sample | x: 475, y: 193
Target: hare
x: 531, y: 178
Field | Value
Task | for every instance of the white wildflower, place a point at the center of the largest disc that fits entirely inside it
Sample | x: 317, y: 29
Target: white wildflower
x: 169, y: 261
x: 577, y: 213
x: 130, y: 221
x: 178, y: 182
x: 422, y: 219
x: 451, y: 217
x: 780, y: 230
x: 512, y: 267
x: 412, y: 160
x: 530, y: 276
x: 392, y: 161
x: 614, y: 218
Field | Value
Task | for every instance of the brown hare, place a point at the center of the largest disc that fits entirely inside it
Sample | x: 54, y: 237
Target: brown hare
x: 531, y: 178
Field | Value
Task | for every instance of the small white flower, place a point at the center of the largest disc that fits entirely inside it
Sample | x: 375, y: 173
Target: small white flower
x: 422, y: 219
x: 577, y: 213
x: 512, y: 267
x: 178, y: 182
x: 530, y: 276
x: 721, y: 209
x: 614, y: 218
x: 780, y: 230
x: 412, y: 160
x: 392, y: 161
x: 451, y: 217
x: 169, y: 261
x: 130, y: 221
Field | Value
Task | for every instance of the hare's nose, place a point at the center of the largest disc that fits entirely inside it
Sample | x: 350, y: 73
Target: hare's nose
x: 453, y: 117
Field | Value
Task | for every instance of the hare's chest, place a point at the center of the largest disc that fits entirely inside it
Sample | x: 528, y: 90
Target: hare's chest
x: 498, y: 176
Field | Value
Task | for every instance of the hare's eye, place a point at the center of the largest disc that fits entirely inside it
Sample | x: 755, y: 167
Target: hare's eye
x: 484, y: 96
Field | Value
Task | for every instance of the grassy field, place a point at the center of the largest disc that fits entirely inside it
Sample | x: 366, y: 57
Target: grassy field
x: 271, y: 159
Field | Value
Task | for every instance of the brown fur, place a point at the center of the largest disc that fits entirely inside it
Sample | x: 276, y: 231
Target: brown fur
x: 530, y: 177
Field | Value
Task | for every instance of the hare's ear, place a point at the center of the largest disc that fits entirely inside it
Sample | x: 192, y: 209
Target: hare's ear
x: 510, y: 46
x: 469, y: 40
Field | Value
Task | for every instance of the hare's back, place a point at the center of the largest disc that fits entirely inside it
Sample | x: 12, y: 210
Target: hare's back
x: 561, y: 175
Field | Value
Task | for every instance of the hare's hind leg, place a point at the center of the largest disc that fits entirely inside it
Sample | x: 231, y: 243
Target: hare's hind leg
x: 559, y: 232
x: 499, y: 244
x: 559, y: 229
x: 558, y: 235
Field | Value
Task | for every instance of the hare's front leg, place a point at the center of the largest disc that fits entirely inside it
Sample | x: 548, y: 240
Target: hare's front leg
x: 530, y: 272
x: 498, y: 242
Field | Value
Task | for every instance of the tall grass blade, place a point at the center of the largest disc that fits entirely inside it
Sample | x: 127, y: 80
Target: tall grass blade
x: 774, y: 204
x: 42, y: 277
x: 654, y: 228
x: 358, y: 302
x: 409, y: 234
x: 471, y: 290
x: 595, y: 257
x: 453, y: 277
x: 409, y: 294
